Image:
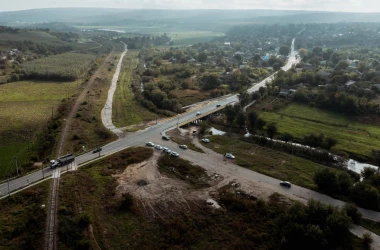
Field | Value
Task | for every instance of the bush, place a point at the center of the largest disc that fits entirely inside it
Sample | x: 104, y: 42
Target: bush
x: 353, y: 212
x: 365, y: 196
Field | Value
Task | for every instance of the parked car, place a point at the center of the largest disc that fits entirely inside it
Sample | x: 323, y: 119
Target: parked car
x: 168, y: 151
x: 166, y: 138
x: 164, y: 149
x: 229, y: 156
x: 150, y: 144
x: 205, y: 140
x: 158, y: 147
x: 183, y: 146
x: 175, y: 154
x: 97, y: 150
x: 198, y: 113
x: 285, y: 184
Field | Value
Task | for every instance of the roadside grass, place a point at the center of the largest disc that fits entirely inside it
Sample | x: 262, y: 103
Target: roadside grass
x: 372, y: 226
x: 22, y: 219
x: 126, y: 110
x: 7, y: 161
x: 184, y: 170
x: 355, y: 138
x: 187, y: 142
x: 269, y: 162
x: 188, y: 96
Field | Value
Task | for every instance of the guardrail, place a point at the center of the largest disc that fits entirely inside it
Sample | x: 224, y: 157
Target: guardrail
x: 201, y: 116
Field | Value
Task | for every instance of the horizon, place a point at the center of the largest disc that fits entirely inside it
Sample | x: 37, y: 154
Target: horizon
x: 347, y: 6
x: 179, y: 9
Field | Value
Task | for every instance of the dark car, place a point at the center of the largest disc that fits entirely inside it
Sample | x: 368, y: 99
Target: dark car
x: 97, y: 150
x: 166, y: 138
x: 218, y: 105
x: 285, y: 184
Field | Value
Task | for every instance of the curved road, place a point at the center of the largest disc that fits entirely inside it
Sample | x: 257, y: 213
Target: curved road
x: 153, y: 134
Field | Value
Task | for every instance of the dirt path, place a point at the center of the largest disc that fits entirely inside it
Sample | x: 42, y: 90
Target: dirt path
x: 107, y: 110
x: 78, y: 101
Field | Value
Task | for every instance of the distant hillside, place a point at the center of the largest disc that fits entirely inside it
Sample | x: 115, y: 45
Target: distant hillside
x: 197, y: 19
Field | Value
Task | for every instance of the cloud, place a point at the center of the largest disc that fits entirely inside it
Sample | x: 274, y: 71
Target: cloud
x: 324, y: 5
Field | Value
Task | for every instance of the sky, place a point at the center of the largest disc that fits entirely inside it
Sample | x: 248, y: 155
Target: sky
x: 322, y: 5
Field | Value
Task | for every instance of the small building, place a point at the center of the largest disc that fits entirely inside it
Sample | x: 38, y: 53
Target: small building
x: 349, y: 83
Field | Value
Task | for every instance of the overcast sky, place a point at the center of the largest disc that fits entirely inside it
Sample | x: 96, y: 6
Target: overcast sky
x: 324, y: 5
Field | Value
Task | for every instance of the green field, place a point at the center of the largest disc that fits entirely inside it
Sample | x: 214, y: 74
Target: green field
x: 191, y: 37
x: 25, y: 107
x: 267, y: 161
x: 126, y: 111
x: 67, y: 66
x: 353, y: 137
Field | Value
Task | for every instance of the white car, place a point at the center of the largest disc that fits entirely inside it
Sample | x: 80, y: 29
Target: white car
x: 175, y: 154
x: 158, y: 147
x: 150, y: 144
x: 198, y: 113
x: 183, y: 146
x: 229, y: 156
x: 205, y: 140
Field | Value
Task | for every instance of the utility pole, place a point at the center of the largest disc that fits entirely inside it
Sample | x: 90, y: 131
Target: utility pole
x: 52, y: 112
x: 177, y: 120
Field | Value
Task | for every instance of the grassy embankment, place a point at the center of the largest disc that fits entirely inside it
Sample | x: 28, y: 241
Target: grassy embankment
x: 267, y: 161
x: 357, y: 139
x: 126, y: 110
x: 22, y: 218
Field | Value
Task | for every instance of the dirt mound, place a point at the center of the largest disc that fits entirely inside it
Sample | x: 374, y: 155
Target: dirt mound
x: 156, y: 194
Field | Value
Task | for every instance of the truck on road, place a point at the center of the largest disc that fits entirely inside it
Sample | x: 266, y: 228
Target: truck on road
x: 61, y: 161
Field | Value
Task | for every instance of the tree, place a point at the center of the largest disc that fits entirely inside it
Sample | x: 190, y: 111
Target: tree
x: 326, y: 181
x: 243, y: 98
x: 302, y: 52
x: 367, y: 240
x: 284, y: 50
x: 230, y: 113
x: 271, y: 130
x: 341, y: 65
x: 260, y: 123
x: 262, y: 90
x: 240, y: 119
x: 210, y: 81
x: 344, y: 183
x: 202, y: 57
x: 367, y: 173
x: 365, y: 196
x: 352, y: 212
x: 286, y: 137
x: 276, y: 66
x: 252, y: 116
x: 375, y: 155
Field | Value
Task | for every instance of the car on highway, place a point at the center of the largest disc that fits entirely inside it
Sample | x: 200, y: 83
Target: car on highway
x: 285, y: 184
x: 97, y: 150
x: 183, y: 146
x: 150, y: 144
x: 229, y: 156
x: 158, y: 147
x: 175, y: 154
x: 218, y: 105
x: 166, y: 138
x: 198, y: 113
x: 205, y: 140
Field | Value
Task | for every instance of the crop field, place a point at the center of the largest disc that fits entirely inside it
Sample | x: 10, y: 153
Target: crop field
x: 126, y: 111
x: 24, y: 107
x: 267, y: 161
x: 68, y: 66
x: 191, y: 37
x: 353, y: 137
